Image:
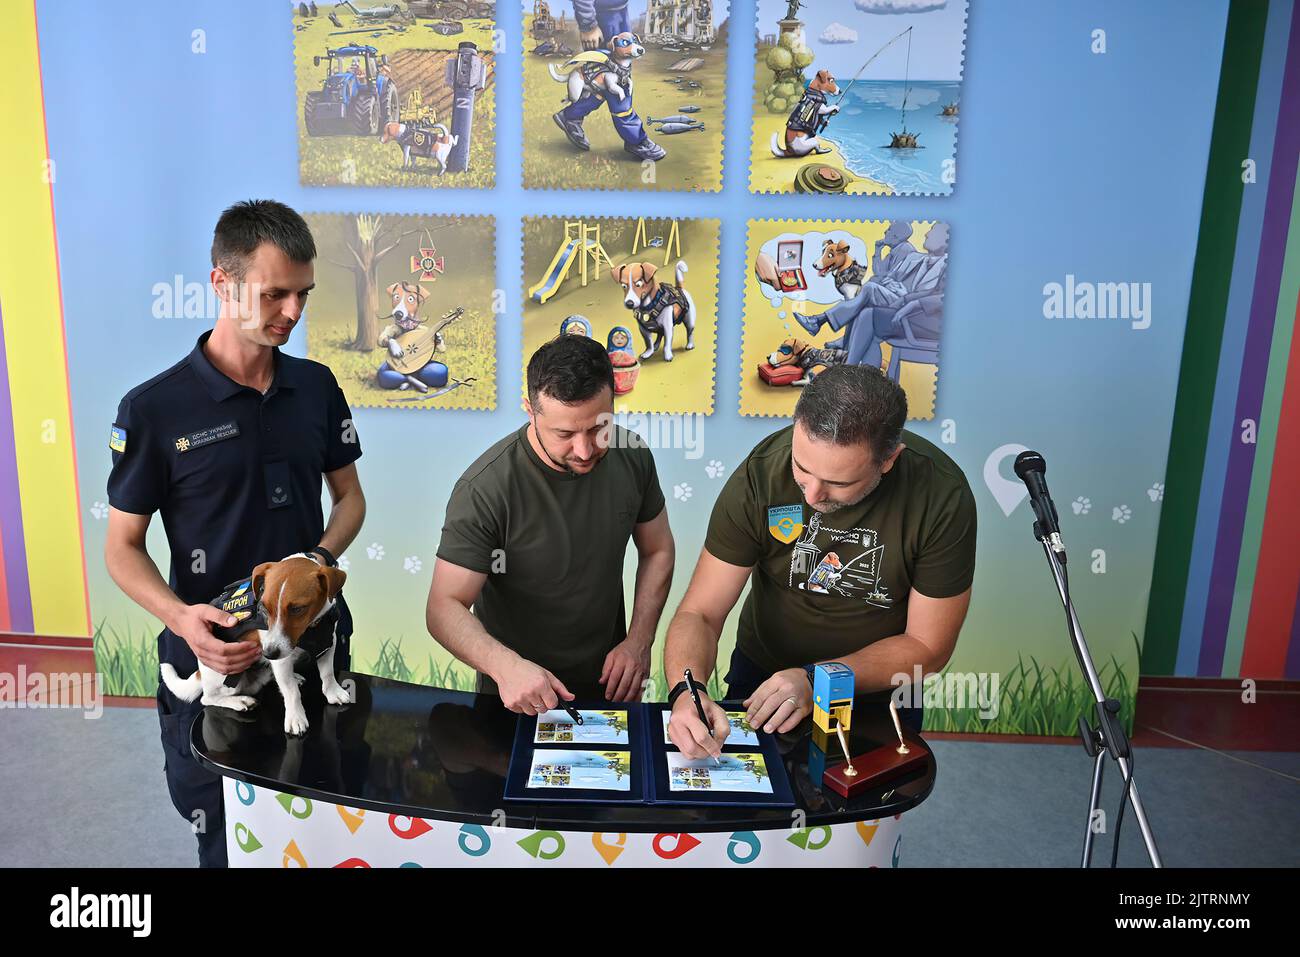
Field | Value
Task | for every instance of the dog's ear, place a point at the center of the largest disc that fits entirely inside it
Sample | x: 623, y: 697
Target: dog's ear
x: 617, y: 272
x: 842, y: 248
x: 331, y: 580
x: 421, y: 293
x: 648, y: 270
x: 393, y: 287
x: 258, y: 578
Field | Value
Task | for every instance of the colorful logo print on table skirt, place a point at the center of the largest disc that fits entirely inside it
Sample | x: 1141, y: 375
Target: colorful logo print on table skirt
x: 607, y: 849
x: 473, y: 839
x: 744, y: 847
x: 672, y: 846
x: 543, y: 845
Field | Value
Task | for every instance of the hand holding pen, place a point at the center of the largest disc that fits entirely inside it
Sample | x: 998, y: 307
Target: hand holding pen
x: 698, y: 731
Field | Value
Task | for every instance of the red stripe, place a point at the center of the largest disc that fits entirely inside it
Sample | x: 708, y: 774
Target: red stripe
x: 63, y: 333
x: 5, y: 623
x: 1277, y: 573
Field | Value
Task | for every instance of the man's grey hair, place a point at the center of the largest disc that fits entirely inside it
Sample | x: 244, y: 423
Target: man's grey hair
x: 851, y: 405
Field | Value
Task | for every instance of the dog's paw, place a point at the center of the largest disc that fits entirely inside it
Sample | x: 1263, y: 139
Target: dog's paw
x: 299, y: 678
x: 338, y: 695
x: 647, y: 354
x: 295, y: 722
x: 237, y: 702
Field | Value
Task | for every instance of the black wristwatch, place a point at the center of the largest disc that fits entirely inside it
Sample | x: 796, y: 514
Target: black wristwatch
x: 323, y: 552
x: 681, y: 687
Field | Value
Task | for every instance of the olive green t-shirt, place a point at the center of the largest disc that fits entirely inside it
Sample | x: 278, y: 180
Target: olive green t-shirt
x: 551, y: 544
x: 827, y: 585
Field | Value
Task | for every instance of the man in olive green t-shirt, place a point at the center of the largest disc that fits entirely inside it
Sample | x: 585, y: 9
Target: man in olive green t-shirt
x: 534, y: 541
x: 858, y: 539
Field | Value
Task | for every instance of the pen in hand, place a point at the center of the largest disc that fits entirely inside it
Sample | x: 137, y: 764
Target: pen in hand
x: 699, y: 708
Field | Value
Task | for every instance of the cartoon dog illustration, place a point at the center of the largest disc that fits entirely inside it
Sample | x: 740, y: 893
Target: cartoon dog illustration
x: 847, y: 274
x: 807, y: 119
x: 403, y: 134
x: 407, y: 299
x: 604, y: 76
x: 798, y: 354
x: 658, y: 307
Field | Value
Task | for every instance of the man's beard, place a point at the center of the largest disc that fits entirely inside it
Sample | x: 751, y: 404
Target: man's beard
x: 827, y: 508
x: 558, y: 463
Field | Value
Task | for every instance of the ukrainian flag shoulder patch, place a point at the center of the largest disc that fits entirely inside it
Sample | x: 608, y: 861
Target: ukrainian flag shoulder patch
x: 117, y: 439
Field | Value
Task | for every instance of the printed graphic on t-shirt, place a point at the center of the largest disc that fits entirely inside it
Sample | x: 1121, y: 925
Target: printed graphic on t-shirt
x: 840, y: 561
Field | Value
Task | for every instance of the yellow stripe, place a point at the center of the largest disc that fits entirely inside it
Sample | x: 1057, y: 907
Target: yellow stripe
x: 33, y: 331
x: 624, y: 113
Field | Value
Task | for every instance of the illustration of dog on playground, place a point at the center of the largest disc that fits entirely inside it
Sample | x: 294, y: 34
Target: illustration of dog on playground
x: 662, y: 291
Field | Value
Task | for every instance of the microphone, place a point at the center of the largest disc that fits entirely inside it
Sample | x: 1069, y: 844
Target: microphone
x: 1032, y: 470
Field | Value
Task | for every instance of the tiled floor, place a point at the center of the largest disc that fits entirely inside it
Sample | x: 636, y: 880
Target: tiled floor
x: 91, y: 793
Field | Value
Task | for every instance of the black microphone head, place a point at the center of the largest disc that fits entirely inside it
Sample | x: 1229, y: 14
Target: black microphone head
x: 1027, y: 462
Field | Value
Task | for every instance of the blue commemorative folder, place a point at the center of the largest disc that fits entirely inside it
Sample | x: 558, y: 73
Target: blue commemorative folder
x: 621, y: 754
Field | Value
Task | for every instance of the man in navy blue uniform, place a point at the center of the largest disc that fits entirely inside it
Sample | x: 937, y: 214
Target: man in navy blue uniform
x: 230, y: 446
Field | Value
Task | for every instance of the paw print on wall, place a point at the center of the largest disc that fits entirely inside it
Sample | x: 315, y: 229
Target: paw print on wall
x: 99, y: 510
x: 343, y: 562
x: 1121, y: 513
x: 1081, y: 505
x: 375, y: 552
x: 714, y: 468
x: 682, y: 492
x: 412, y: 564
x: 1156, y: 492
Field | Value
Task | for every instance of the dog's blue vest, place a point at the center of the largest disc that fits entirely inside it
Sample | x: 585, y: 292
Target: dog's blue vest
x: 239, y: 599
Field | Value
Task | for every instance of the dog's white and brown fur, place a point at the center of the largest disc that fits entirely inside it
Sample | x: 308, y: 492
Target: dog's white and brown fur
x: 407, y: 298
x: 657, y: 306
x: 846, y: 272
x: 295, y: 593
x: 795, y: 142
x: 806, y: 356
x: 579, y: 79
x: 401, y: 134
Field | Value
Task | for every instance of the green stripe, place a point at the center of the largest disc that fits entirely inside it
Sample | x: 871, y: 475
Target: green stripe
x: 1220, y: 212
x: 1262, y: 473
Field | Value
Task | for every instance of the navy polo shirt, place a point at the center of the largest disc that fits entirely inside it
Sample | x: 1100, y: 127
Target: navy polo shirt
x: 235, y: 474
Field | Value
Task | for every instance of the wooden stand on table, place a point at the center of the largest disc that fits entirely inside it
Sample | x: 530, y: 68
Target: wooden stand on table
x: 885, y: 762
x: 875, y: 767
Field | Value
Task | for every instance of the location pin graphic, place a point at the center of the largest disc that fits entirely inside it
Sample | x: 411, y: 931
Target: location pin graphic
x: 1008, y: 493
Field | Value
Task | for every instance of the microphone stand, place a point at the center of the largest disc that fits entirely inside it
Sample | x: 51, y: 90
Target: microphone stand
x: 1108, y: 737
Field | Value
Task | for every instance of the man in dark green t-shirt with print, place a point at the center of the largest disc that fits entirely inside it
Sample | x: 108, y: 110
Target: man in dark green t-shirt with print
x: 858, y: 539
x: 534, y: 540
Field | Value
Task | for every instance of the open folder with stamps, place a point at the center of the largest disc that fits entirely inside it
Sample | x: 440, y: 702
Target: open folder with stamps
x: 621, y: 754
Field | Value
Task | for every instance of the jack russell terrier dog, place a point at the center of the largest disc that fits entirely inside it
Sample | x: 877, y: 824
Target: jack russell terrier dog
x: 583, y: 76
x: 657, y: 306
x: 403, y: 134
x: 804, y: 356
x: 287, y: 607
x: 407, y: 299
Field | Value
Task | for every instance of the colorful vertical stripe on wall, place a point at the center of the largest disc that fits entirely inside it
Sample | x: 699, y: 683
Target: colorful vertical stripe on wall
x: 1226, y: 590
x: 43, y: 572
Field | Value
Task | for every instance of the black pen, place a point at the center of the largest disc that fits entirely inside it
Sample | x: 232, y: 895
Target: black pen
x: 699, y: 708
x: 573, y: 712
